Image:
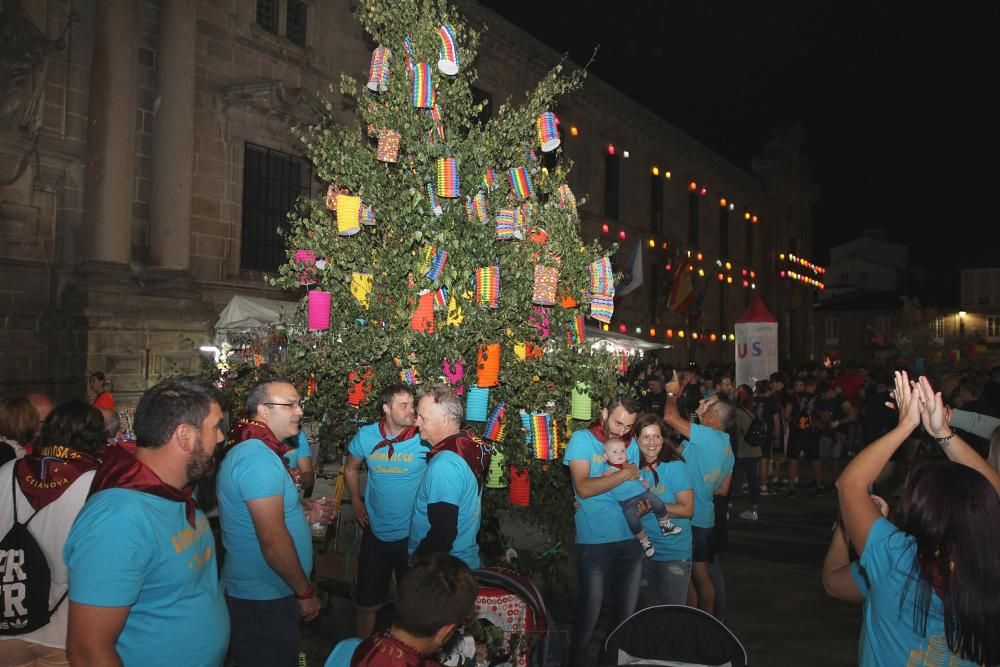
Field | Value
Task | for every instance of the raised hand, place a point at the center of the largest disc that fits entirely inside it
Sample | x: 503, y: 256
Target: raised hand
x: 907, y: 400
x: 935, y: 414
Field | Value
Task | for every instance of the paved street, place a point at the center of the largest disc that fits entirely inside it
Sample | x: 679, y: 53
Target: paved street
x: 776, y: 603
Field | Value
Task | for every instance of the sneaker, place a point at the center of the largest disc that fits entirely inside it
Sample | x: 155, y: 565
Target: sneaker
x: 790, y: 493
x: 764, y: 491
x: 668, y: 528
x: 647, y: 547
x: 749, y: 515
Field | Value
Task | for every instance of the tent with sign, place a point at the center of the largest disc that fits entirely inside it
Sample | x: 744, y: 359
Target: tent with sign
x: 756, y: 344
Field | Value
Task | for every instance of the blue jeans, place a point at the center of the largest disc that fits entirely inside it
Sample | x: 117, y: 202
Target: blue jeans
x: 614, y: 564
x: 665, y: 582
x: 632, y: 514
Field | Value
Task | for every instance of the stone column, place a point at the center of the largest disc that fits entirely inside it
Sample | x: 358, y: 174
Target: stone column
x: 110, y: 180
x: 173, y: 138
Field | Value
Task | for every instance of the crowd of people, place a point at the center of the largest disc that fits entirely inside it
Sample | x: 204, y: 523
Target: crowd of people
x: 652, y: 481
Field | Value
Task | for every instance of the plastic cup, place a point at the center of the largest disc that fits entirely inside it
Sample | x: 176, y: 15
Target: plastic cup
x: 320, y: 515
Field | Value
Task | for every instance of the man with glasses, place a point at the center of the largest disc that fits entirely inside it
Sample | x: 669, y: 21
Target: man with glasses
x: 605, y: 548
x: 265, y: 533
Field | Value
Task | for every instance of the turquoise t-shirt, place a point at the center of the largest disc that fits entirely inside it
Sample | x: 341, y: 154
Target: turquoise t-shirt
x: 392, y: 485
x: 449, y: 479
x: 599, y: 519
x: 133, y: 549
x: 709, y: 460
x: 301, y: 449
x: 673, y: 478
x: 627, y: 490
x: 250, y: 471
x: 887, y: 634
x: 342, y: 653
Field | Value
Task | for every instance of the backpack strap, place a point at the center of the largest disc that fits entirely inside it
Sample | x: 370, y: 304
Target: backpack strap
x: 13, y: 497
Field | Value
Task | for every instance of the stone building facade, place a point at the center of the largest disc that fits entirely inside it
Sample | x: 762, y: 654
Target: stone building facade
x: 128, y: 125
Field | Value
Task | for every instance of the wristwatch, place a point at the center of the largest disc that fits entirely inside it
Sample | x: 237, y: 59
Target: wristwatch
x: 671, y: 394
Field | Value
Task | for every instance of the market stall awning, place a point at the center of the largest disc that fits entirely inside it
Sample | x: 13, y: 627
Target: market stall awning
x: 243, y: 313
x: 630, y: 343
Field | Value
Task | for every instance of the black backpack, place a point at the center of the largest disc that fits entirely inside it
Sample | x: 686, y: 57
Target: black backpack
x: 24, y: 601
x: 802, y: 417
x: 756, y: 434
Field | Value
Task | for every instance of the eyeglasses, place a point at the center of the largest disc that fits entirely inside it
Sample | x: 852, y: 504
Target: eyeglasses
x: 296, y: 404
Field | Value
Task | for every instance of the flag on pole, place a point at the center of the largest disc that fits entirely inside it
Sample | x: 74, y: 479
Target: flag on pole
x: 632, y: 271
x: 681, y: 289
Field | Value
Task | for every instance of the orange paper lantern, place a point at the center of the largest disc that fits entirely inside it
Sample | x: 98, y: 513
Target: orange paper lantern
x: 489, y: 365
x: 423, y: 316
x: 358, y: 386
x: 519, y: 491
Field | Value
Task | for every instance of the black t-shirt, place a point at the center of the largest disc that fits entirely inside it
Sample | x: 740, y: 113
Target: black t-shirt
x: 654, y: 403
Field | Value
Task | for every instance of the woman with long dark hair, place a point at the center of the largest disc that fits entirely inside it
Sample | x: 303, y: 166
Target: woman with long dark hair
x: 931, y: 583
x: 662, y: 467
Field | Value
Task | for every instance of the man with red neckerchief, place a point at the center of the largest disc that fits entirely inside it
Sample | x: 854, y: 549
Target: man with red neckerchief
x: 396, y: 460
x: 446, y: 513
x: 264, y: 530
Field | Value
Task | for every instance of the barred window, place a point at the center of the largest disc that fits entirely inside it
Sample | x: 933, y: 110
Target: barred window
x: 272, y: 182
x: 267, y: 15
x: 295, y: 23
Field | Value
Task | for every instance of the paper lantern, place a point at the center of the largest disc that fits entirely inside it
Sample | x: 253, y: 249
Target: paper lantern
x: 519, y: 492
x: 602, y: 278
x: 542, y: 440
x: 544, y: 292
x: 489, y: 179
x: 581, y: 405
x: 602, y: 308
x: 306, y: 260
x: 441, y: 299
x: 348, y: 213
x: 567, y: 200
x: 520, y: 182
x: 488, y: 374
x: 495, y: 475
x: 378, y: 72
x: 548, y: 133
x: 475, y: 207
x: 358, y: 386
x: 433, y: 200
x: 319, y: 310
x: 531, y: 158
x: 495, y: 424
x: 455, y: 314
x: 423, y: 316
x: 366, y: 216
x: 568, y: 302
x: 408, y: 49
x: 576, y: 332
x: 488, y: 286
x: 361, y: 287
x: 388, y: 146
x: 447, y: 177
x: 453, y: 373
x: 477, y: 404
x: 438, y: 124
x: 423, y: 86
x: 506, y: 224
x: 448, y: 52
x: 434, y: 263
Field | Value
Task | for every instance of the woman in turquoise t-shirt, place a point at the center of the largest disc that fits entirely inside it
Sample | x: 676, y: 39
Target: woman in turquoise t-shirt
x: 667, y: 573
x: 931, y: 598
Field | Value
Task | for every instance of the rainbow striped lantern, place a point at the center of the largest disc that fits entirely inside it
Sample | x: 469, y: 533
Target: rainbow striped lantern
x: 602, y: 307
x: 576, y: 333
x: 423, y: 86
x: 544, y: 293
x: 447, y: 177
x: 348, y: 214
x: 436, y: 117
x: 441, y: 300
x: 306, y: 260
x: 567, y: 200
x: 506, y: 224
x: 378, y: 73
x: 488, y: 286
x: 437, y: 264
x: 520, y: 182
x: 602, y: 277
x: 448, y: 53
x: 494, y: 478
x: 366, y: 216
x: 475, y: 207
x: 581, y: 406
x: 432, y: 198
x: 408, y: 47
x: 548, y: 131
x: 489, y: 179
x: 388, y: 146
x: 495, y: 424
x: 361, y: 287
x: 477, y: 404
x: 539, y: 435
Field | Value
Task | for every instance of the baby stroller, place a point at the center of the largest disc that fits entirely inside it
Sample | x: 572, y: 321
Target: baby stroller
x: 673, y: 635
x: 512, y: 624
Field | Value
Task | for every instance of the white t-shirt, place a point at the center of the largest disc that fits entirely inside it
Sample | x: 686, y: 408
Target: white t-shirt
x: 49, y: 529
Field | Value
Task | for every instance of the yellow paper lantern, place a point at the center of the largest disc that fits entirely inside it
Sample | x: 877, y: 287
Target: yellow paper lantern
x: 455, y: 315
x: 348, y: 211
x: 520, y: 351
x: 361, y: 287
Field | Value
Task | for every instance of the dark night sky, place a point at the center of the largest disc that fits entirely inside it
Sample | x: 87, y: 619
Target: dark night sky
x: 899, y: 105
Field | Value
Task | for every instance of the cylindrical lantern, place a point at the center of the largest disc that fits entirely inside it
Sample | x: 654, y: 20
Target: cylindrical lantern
x: 506, y: 224
x: 520, y: 487
x: 477, y: 404
x: 602, y: 278
x: 494, y: 478
x: 358, y: 386
x: 488, y: 286
x: 602, y: 307
x: 436, y: 264
x: 542, y: 440
x: 433, y: 199
x: 348, y: 212
x: 544, y: 293
x: 495, y: 424
x: 447, y: 177
x: 361, y: 287
x: 423, y: 86
x: 576, y: 333
x: 448, y: 53
x: 388, y: 146
x: 319, y: 310
x: 378, y: 73
x: 488, y: 374
x: 548, y: 134
x: 520, y: 182
x: 581, y: 407
x: 367, y: 216
x: 423, y: 315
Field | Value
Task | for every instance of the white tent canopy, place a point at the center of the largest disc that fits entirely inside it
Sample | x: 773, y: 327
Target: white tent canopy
x: 630, y: 343
x: 249, y: 312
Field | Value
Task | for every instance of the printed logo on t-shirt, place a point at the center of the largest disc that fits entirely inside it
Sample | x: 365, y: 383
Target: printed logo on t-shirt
x: 188, y: 537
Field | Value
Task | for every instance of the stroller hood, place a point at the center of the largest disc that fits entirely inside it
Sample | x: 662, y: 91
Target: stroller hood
x: 673, y: 635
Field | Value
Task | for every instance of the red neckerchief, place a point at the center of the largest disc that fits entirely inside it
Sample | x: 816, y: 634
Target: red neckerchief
x: 251, y: 429
x: 121, y: 470
x: 616, y: 465
x: 470, y: 447
x: 389, y: 441
x: 651, y: 467
x: 384, y: 650
x: 597, y: 428
x: 45, y: 474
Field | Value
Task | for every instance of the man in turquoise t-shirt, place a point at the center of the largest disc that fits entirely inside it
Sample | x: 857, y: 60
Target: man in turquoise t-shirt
x: 143, y: 581
x: 446, y: 512
x: 710, y: 461
x: 268, y: 542
x: 299, y: 458
x: 606, y: 551
x: 396, y: 460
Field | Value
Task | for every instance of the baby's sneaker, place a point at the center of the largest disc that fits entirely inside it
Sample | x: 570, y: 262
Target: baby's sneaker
x: 647, y: 547
x: 668, y: 527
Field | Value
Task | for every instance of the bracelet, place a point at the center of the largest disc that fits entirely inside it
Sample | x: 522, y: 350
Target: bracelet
x: 944, y: 441
x: 305, y: 595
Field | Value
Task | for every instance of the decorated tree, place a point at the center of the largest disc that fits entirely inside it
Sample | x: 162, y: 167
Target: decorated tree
x: 448, y: 249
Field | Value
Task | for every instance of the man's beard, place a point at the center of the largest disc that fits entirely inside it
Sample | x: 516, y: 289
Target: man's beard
x: 200, y: 465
